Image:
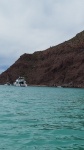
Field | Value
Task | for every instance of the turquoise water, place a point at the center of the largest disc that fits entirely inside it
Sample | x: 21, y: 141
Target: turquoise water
x: 41, y: 118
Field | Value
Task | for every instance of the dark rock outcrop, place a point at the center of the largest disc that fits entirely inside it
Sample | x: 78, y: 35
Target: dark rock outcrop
x: 58, y: 65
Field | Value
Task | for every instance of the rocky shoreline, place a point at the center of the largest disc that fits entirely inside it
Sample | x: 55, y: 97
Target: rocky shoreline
x: 61, y: 65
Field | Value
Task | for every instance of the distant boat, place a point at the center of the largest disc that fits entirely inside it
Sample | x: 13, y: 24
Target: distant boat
x: 20, y: 82
x: 7, y: 83
x: 59, y: 86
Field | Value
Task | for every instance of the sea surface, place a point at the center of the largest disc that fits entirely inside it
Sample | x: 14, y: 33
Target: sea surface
x: 41, y: 118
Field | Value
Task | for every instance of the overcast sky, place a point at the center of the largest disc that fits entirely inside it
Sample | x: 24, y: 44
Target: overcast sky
x: 27, y: 26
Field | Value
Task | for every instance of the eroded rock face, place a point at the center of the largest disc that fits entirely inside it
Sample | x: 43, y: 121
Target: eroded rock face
x: 59, y: 65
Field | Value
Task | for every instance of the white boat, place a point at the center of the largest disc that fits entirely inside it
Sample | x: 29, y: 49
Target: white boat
x: 20, y: 82
x: 7, y: 83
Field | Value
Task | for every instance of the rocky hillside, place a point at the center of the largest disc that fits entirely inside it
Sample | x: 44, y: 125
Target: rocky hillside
x: 61, y: 65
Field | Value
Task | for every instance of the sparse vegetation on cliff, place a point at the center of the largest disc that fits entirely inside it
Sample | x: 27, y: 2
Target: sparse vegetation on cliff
x: 59, y: 65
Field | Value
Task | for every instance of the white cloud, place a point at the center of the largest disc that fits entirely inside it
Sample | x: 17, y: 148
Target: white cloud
x: 28, y: 26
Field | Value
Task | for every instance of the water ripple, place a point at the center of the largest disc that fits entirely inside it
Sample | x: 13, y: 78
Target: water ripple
x: 41, y: 118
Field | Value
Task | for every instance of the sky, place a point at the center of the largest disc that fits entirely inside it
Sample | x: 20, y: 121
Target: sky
x: 27, y: 26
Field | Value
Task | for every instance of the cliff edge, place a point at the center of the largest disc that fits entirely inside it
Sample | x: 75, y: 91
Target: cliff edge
x: 61, y: 65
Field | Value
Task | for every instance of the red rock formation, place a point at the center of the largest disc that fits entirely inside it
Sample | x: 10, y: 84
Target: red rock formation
x: 59, y: 65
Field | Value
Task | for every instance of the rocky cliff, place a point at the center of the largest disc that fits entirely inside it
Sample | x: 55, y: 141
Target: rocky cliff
x: 61, y: 65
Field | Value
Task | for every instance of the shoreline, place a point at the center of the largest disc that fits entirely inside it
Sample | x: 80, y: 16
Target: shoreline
x: 56, y: 86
